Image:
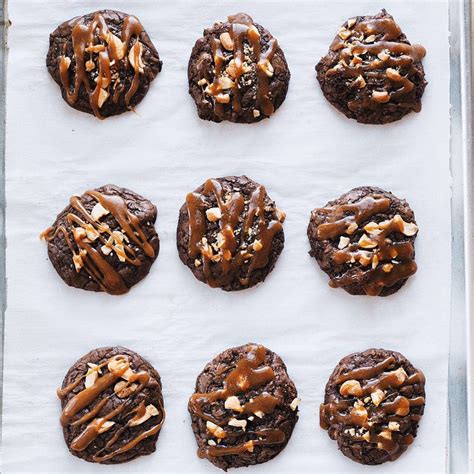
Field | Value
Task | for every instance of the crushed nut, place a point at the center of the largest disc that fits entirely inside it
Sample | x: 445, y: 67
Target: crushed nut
x: 215, y: 430
x: 375, y: 261
x: 202, y: 82
x: 103, y: 96
x: 343, y: 242
x: 387, y: 267
x: 360, y: 81
x: 223, y: 98
x: 106, y: 425
x: 238, y: 423
x: 118, y: 47
x: 393, y: 74
x: 383, y: 56
x: 259, y: 413
x: 98, y: 211
x: 381, y: 96
x: 257, y: 245
x: 377, y: 397
x: 90, y: 66
x: 360, y: 414
x: 366, y: 243
x: 123, y: 390
x: 344, y: 33
x: 256, y: 113
x: 226, y: 83
x: 213, y: 214
x: 372, y: 228
x: 370, y: 39
x: 226, y: 41
x: 78, y: 263
x: 233, y: 403
x: 150, y: 411
x: 351, y: 387
x: 351, y: 228
x: 393, y: 426
x: 351, y: 22
x: 294, y: 404
x: 211, y: 442
x: 197, y: 263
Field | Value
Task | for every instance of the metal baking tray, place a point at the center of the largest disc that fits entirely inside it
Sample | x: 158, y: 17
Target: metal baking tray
x: 458, y: 459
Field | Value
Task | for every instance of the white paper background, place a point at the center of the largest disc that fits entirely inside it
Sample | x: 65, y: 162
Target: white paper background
x: 306, y: 154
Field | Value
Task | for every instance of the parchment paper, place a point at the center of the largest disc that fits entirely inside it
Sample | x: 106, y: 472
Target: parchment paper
x: 306, y: 154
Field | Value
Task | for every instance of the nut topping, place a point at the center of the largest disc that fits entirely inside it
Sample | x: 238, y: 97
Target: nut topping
x: 213, y: 214
x: 377, y: 397
x: 381, y: 96
x: 98, y: 211
x: 226, y: 41
x: 294, y: 404
x: 150, y: 411
x: 351, y: 387
x: 233, y: 403
x: 238, y: 423
x: 215, y: 430
x: 106, y: 425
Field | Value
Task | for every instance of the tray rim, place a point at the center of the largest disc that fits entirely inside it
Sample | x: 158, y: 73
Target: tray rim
x: 458, y: 457
x: 459, y: 435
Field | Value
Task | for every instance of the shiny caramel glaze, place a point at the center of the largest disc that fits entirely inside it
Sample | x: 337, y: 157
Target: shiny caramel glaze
x: 374, y: 401
x: 93, y: 243
x: 232, y: 230
x: 369, y: 243
x: 108, y: 407
x: 249, y: 384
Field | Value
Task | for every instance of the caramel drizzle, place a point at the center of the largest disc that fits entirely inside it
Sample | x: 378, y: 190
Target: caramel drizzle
x: 375, y: 279
x: 93, y: 261
x: 246, y: 376
x: 118, y: 366
x: 231, y: 257
x: 343, y: 413
x: 399, y: 56
x: 110, y: 54
x: 243, y: 29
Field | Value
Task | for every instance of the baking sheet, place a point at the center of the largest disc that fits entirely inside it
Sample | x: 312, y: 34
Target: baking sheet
x: 306, y: 154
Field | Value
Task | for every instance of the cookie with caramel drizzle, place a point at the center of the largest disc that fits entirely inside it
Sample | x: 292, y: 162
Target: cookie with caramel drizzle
x: 105, y: 240
x: 237, y: 72
x: 230, y: 233
x: 365, y: 241
x: 373, y: 403
x: 104, y: 62
x: 372, y: 73
x: 112, y: 406
x: 245, y: 407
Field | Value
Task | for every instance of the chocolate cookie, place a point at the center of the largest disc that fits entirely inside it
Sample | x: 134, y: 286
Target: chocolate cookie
x: 230, y: 233
x: 237, y: 72
x: 103, y: 62
x: 372, y: 73
x: 104, y: 240
x: 372, y: 405
x: 245, y: 407
x: 365, y: 241
x: 112, y: 406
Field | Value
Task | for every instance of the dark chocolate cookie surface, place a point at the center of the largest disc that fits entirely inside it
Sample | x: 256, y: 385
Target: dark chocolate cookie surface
x: 372, y: 73
x: 105, y: 240
x: 112, y: 406
x: 230, y: 233
x: 103, y: 62
x: 245, y: 407
x: 364, y: 241
x: 237, y: 72
x: 372, y: 405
